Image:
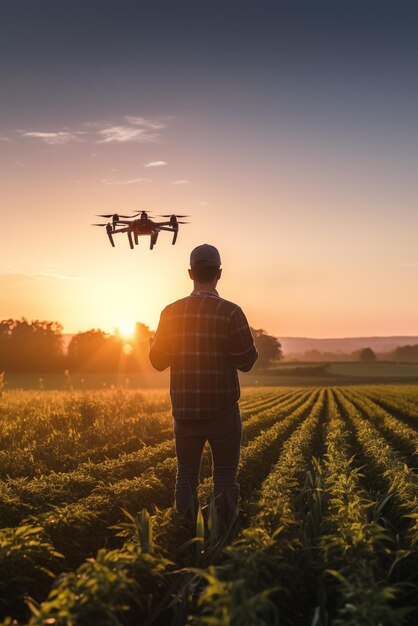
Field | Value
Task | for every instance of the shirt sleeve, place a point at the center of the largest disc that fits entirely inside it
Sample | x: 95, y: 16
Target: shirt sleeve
x: 242, y: 351
x: 160, y: 353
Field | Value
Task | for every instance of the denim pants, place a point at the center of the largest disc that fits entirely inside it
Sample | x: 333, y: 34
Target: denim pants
x: 223, y: 433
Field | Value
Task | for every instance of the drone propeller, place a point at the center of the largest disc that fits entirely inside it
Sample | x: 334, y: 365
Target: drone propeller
x: 109, y: 215
x: 174, y: 214
x: 135, y: 214
x: 98, y: 224
x: 112, y: 215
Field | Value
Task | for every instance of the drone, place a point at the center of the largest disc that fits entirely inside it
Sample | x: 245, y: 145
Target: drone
x: 140, y: 224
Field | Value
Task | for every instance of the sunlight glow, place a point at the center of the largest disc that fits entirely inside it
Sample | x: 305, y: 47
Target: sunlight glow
x: 126, y: 328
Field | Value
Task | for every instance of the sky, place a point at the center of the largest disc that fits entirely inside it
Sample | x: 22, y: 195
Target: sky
x: 286, y: 130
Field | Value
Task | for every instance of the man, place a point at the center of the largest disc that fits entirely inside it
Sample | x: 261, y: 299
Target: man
x: 204, y: 339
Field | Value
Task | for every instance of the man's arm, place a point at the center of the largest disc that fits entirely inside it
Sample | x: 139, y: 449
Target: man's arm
x: 242, y: 351
x: 160, y: 353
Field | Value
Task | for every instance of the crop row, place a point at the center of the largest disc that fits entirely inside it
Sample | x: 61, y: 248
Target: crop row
x: 316, y: 548
x: 402, y: 437
x: 76, y: 521
x: 352, y: 540
x: 98, y: 511
x: 71, y: 432
x: 124, y: 583
x: 251, y: 584
x: 116, y: 582
x: 330, y: 559
x: 74, y: 525
x: 22, y: 496
x: 403, y: 406
x: 385, y: 466
x: 57, y: 432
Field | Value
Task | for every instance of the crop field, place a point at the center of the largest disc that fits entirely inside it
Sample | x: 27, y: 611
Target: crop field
x: 327, y: 533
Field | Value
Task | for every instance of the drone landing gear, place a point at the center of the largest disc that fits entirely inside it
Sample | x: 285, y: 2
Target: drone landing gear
x: 153, y: 240
x: 131, y: 243
x: 176, y: 232
x: 109, y: 231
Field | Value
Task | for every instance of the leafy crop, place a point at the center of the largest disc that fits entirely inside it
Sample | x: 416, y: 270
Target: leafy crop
x: 327, y: 533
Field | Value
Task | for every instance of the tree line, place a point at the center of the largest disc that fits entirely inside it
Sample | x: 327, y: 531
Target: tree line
x: 38, y: 347
x: 401, y: 354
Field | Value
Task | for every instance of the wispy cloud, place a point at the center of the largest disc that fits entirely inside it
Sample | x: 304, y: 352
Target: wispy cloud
x: 122, y: 134
x: 123, y: 130
x: 18, y: 275
x: 145, y: 122
x: 155, y: 163
x: 48, y: 274
x: 4, y: 138
x: 130, y: 181
x: 183, y: 181
x: 53, y: 138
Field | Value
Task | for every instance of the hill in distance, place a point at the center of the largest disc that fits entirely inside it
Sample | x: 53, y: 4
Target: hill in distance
x: 346, y: 345
x: 299, y: 345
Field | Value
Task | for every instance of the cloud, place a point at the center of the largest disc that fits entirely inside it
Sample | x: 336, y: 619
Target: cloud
x: 144, y: 122
x: 48, y: 274
x: 43, y: 274
x: 155, y: 163
x: 183, y: 181
x: 123, y: 130
x: 4, y: 138
x: 122, y: 134
x: 53, y: 138
x: 131, y: 181
x: 139, y: 129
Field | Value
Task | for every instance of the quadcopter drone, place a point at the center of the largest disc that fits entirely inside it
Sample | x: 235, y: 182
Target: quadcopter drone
x: 140, y: 224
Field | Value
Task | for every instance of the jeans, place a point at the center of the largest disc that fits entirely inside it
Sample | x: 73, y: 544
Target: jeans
x: 223, y: 433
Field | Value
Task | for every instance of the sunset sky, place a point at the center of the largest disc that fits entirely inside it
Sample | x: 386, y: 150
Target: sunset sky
x: 287, y: 130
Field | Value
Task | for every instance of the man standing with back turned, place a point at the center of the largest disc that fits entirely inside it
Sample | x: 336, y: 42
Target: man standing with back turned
x: 204, y: 339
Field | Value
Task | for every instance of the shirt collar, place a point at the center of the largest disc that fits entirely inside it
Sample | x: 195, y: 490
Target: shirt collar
x: 213, y: 293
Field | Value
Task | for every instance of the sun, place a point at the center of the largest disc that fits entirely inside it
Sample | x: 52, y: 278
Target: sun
x: 126, y: 328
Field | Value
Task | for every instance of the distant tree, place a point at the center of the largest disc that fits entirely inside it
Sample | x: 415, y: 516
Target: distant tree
x: 312, y: 355
x: 268, y: 347
x: 35, y: 346
x: 318, y: 356
x: 406, y: 354
x: 93, y: 351
x: 135, y: 349
x: 366, y: 355
x: 96, y: 351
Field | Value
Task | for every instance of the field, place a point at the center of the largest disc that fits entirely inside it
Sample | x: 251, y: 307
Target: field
x: 327, y: 534
x: 286, y: 373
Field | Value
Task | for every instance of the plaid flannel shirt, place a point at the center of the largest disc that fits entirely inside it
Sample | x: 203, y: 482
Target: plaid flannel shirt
x: 204, y: 339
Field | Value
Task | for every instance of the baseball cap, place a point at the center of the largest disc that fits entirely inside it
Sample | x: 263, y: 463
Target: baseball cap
x: 205, y: 256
